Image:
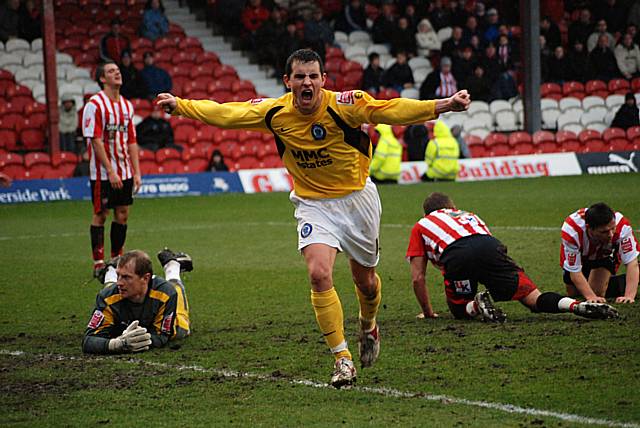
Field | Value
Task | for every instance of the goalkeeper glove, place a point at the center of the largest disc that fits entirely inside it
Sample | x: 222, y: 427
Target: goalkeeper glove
x: 133, y: 339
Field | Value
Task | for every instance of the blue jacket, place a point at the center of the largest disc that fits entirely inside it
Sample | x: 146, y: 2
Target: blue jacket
x: 156, y: 79
x: 154, y: 24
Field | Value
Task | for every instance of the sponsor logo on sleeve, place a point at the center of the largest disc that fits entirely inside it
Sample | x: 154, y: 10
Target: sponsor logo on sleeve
x: 346, y: 98
x: 462, y: 287
x: 627, y: 245
x: 256, y: 100
x: 571, y: 259
x: 166, y: 323
x: 96, y: 319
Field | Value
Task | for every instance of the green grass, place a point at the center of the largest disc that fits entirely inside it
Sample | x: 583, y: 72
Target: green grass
x: 251, y: 313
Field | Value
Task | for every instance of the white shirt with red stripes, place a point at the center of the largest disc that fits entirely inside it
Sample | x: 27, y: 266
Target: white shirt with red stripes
x: 113, y: 122
x: 448, y: 85
x: 577, y: 246
x: 433, y: 233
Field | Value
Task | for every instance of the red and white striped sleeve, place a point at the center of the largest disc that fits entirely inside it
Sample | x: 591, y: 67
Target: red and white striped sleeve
x: 627, y: 243
x: 573, y: 230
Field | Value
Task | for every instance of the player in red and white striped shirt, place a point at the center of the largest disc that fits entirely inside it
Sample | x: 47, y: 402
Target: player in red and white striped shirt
x: 460, y: 244
x: 107, y: 124
x: 595, y: 241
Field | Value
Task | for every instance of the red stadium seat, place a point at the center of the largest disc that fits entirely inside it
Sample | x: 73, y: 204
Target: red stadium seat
x: 333, y: 65
x: 572, y: 87
x: 64, y: 158
x: 146, y: 155
x: 17, y: 90
x: 12, y: 121
x: 194, y: 152
x: 8, y: 139
x: 595, y: 145
x: 184, y: 133
x: 272, y: 161
x: 242, y: 96
x: 547, y: 89
x: 242, y: 85
x: 198, y: 164
x: 589, y: 134
x: 35, y: 107
x: 202, y: 70
x: 247, y: 162
x: 497, y: 144
x: 11, y: 159
x: 388, y: 93
x: 35, y: 158
x: 611, y: 133
x: 476, y: 146
x: 595, y: 85
x: 32, y: 139
x: 349, y: 66
x: 20, y: 102
x: 39, y: 170
x: 633, y: 132
x: 225, y: 70
x: 162, y: 155
x: 245, y: 135
x: 207, y: 58
x: 148, y: 167
x: 221, y: 96
x: 226, y: 135
x: 542, y: 136
x: 618, y: 86
x: 333, y: 53
x: 206, y: 134
x: 172, y: 166
x: 35, y: 121
x: 17, y: 172
x: 229, y: 149
x: 568, y: 142
x: 618, y: 145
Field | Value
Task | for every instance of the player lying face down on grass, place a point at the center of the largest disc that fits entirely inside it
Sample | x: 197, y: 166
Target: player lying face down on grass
x: 136, y: 310
x: 460, y: 244
x: 337, y: 207
x: 595, y: 242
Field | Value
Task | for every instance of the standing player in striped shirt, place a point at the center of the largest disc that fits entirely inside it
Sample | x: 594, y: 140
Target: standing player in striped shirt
x: 107, y: 124
x: 595, y: 241
x: 460, y: 244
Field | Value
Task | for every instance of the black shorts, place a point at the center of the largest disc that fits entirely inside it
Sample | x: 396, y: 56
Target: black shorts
x: 482, y: 259
x: 610, y: 263
x: 105, y: 197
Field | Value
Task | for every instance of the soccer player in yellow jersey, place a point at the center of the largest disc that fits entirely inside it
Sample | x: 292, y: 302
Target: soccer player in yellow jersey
x: 337, y: 207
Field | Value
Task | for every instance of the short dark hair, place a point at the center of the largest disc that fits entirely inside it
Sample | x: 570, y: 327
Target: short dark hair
x: 303, y: 55
x: 141, y: 262
x: 373, y: 55
x: 437, y: 201
x: 599, y: 214
x: 100, y: 71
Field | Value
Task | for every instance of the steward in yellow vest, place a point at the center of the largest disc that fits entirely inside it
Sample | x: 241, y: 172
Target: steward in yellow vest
x: 386, y: 163
x: 442, y: 154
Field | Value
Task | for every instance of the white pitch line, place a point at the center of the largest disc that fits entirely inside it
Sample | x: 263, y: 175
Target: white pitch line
x: 385, y: 392
x: 262, y: 224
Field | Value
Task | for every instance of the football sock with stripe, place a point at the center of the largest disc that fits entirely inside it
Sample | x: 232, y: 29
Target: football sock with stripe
x: 97, y: 243
x: 328, y: 310
x: 369, y: 305
x: 118, y: 236
x: 553, y: 303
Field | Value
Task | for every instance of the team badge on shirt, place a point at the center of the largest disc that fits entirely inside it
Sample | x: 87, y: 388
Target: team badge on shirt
x: 166, y: 323
x: 318, y: 132
x: 571, y: 257
x: 96, y: 319
x: 306, y: 230
x: 627, y: 246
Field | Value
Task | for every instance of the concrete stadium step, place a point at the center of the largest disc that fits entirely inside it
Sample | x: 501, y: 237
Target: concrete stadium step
x: 193, y: 28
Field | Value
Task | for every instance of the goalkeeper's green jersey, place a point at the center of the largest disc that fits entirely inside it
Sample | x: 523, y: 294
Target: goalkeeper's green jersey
x: 326, y: 153
x: 164, y: 313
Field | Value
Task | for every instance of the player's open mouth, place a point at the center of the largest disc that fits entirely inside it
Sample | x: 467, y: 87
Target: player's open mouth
x: 307, y: 94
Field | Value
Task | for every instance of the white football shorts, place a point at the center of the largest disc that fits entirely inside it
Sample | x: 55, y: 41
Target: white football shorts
x: 350, y: 223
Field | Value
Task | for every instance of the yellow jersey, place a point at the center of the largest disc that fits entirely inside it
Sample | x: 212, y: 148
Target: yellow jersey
x: 325, y: 152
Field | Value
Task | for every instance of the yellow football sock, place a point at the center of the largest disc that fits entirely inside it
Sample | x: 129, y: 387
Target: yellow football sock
x: 328, y: 309
x: 369, y: 306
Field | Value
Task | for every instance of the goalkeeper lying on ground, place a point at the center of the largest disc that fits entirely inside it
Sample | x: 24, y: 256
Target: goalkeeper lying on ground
x: 136, y: 310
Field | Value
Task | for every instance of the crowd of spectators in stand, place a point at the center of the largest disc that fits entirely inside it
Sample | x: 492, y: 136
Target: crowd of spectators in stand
x: 20, y: 20
x: 579, y: 39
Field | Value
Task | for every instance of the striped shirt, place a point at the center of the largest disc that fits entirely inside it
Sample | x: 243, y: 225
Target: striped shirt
x: 113, y: 122
x: 578, y: 246
x: 448, y: 86
x: 433, y: 233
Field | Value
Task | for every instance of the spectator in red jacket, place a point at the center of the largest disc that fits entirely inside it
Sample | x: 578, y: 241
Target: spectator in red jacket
x: 114, y: 43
